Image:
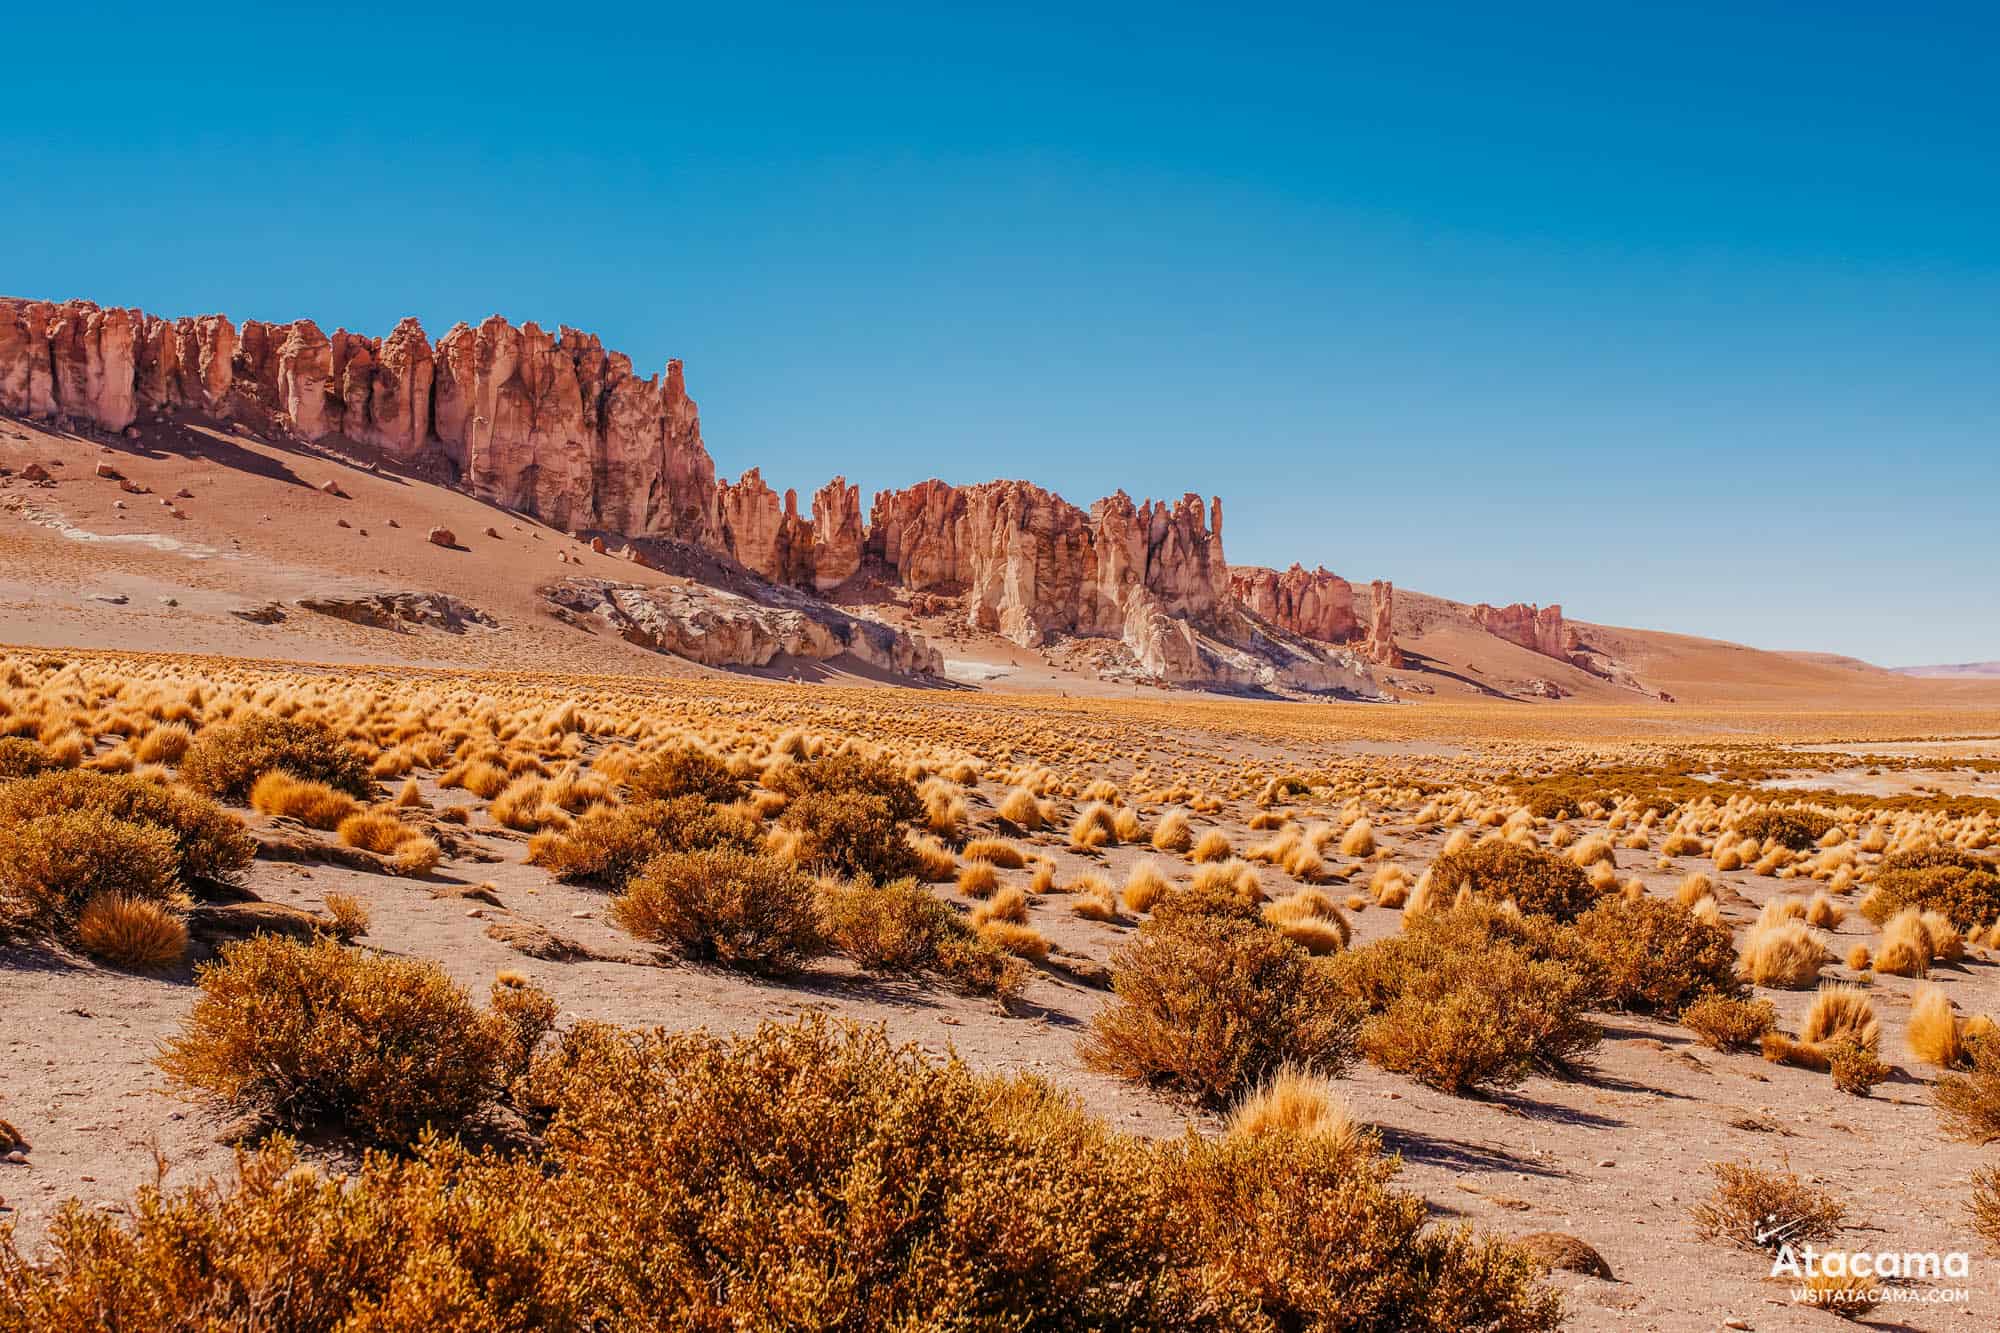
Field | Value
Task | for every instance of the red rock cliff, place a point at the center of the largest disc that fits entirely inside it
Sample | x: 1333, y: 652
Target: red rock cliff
x: 1538, y: 629
x: 1315, y: 603
x: 551, y: 424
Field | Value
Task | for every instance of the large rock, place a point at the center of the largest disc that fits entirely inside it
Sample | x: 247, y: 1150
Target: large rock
x: 718, y: 628
x: 552, y: 425
x: 1380, y: 647
x: 1311, y: 603
x: 1538, y: 629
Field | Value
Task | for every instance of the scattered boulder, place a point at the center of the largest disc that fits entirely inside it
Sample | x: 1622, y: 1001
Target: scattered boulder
x: 34, y: 472
x: 443, y: 537
x: 597, y: 545
x: 109, y: 473
x: 332, y: 487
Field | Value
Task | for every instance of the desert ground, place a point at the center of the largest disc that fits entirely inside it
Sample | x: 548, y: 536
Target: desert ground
x: 1613, y: 1152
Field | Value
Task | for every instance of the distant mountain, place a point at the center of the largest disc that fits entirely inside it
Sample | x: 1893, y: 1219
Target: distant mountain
x: 1956, y: 671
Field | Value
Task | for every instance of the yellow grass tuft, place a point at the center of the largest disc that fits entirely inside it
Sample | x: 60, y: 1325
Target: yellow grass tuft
x: 141, y: 934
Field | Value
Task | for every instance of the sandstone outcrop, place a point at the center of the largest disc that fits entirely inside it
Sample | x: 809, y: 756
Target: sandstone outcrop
x: 555, y: 426
x: 1381, y: 643
x: 1313, y: 603
x: 718, y: 628
x: 1031, y: 566
x: 550, y: 424
x: 1538, y: 629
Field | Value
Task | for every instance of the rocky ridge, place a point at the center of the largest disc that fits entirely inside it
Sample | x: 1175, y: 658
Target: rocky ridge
x: 555, y: 426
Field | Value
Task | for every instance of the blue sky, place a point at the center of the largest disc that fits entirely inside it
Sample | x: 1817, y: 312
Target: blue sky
x: 1687, y: 317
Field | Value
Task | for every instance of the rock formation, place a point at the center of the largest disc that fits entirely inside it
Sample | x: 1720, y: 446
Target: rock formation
x: 1381, y: 644
x: 718, y: 628
x: 1031, y: 566
x: 1315, y: 603
x: 554, y: 426
x: 550, y: 424
x: 1538, y: 629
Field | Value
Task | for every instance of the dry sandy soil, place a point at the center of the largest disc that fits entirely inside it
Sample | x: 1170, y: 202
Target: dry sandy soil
x: 1615, y: 1156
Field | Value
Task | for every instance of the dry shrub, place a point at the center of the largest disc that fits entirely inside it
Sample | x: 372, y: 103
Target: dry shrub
x: 1783, y: 1050
x: 848, y: 833
x: 724, y: 906
x: 852, y: 775
x: 1968, y: 1105
x: 935, y: 862
x: 1016, y: 938
x: 1842, y: 1013
x: 1745, y: 1199
x: 609, y: 843
x: 1212, y: 846
x: 1797, y: 830
x: 1020, y: 808
x: 1823, y: 913
x: 164, y: 745
x: 1092, y: 828
x: 1470, y: 998
x: 52, y: 865
x: 141, y: 934
x: 1933, y: 1034
x: 1311, y: 920
x: 995, y: 851
x: 1593, y: 851
x: 312, y: 1036
x: 1172, y: 833
x: 1126, y: 826
x: 1693, y: 889
x: 1009, y: 904
x: 1656, y: 957
x: 1145, y: 885
x: 373, y: 831
x: 1854, y: 1067
x: 1958, y: 885
x: 348, y: 914
x: 313, y: 804
x: 1530, y: 878
x: 1984, y: 1205
x: 1905, y: 947
x: 1858, y: 957
x: 683, y: 772
x: 978, y: 879
x: 1095, y: 902
x: 1208, y: 1004
x: 1725, y: 1023
x: 415, y: 855
x: 227, y: 758
x: 1293, y: 1101
x: 209, y: 842
x: 1787, y: 957
x: 900, y: 928
x: 1358, y: 840
x: 21, y: 758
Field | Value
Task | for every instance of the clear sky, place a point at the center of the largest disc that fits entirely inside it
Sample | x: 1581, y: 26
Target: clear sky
x: 1687, y: 317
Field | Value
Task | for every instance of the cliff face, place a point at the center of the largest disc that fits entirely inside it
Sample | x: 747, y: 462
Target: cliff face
x: 1030, y: 565
x: 1538, y: 629
x: 553, y: 425
x: 1315, y: 603
x: 550, y: 424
